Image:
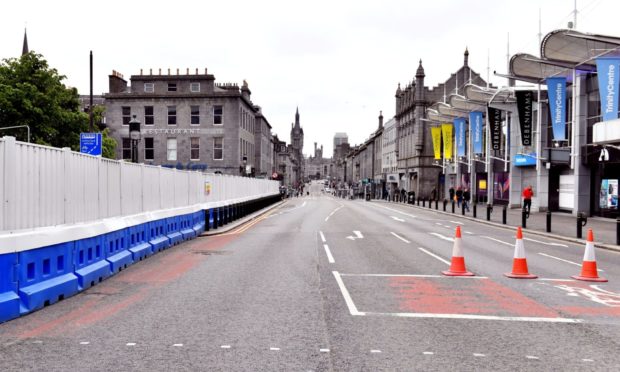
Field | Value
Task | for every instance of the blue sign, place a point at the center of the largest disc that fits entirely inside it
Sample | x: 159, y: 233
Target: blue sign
x: 475, y: 125
x: 459, y: 125
x: 90, y: 143
x: 556, y: 88
x: 525, y: 160
x: 608, y: 86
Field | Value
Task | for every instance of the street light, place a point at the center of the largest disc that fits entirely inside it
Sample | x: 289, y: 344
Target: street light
x: 134, y: 135
x: 244, y: 167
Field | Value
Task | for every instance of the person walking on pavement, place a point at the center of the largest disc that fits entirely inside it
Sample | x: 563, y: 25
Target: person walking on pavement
x: 459, y: 196
x: 451, y: 193
x: 527, y: 199
x: 403, y: 195
x: 466, y: 199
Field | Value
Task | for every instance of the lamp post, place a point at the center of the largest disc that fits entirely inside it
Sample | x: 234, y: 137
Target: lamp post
x: 134, y: 135
x: 245, y: 163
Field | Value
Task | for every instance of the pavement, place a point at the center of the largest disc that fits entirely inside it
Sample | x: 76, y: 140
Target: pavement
x: 325, y: 284
x: 563, y: 225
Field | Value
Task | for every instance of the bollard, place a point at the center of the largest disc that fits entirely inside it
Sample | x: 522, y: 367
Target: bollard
x: 452, y: 206
x: 423, y: 203
x: 548, y: 221
x: 418, y: 201
x: 618, y: 231
x: 489, y: 210
x: 437, y: 204
x: 582, y: 220
x: 445, y: 202
x: 430, y: 203
x: 504, y: 213
x: 463, y: 208
x: 474, y: 211
x: 524, y: 218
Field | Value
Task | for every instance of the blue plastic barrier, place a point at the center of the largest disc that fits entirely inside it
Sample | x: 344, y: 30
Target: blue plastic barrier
x: 46, y: 276
x: 9, y: 300
x: 157, y: 235
x: 89, y: 262
x: 172, y: 230
x: 199, y: 222
x: 138, y: 242
x: 115, y: 245
x: 186, y: 222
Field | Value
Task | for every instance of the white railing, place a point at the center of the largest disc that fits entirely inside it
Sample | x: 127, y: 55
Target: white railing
x: 43, y: 186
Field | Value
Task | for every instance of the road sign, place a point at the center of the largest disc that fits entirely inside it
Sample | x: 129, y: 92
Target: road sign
x: 90, y: 143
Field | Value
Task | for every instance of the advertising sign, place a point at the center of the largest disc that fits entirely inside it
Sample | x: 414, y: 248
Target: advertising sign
x: 459, y: 127
x: 524, y: 107
x: 446, y: 130
x: 609, y: 194
x: 436, y: 135
x: 475, y: 125
x: 556, y: 88
x: 608, y: 86
x: 207, y: 188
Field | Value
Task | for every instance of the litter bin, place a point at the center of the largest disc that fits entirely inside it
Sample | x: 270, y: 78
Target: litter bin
x: 411, y: 197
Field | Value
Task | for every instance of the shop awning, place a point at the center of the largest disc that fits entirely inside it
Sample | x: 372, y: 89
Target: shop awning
x: 577, y: 48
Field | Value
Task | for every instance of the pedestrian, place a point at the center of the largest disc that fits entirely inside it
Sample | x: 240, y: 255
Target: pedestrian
x: 466, y: 199
x: 403, y: 194
x: 459, y: 196
x: 451, y: 193
x: 527, y: 199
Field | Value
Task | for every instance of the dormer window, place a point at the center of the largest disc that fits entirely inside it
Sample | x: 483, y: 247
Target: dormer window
x: 149, y: 87
x: 172, y: 87
x: 194, y: 87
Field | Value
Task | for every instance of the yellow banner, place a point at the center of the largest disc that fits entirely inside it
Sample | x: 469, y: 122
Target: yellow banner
x: 446, y: 129
x: 436, y: 134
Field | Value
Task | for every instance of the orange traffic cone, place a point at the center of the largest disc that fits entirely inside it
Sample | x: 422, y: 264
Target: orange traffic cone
x: 519, y: 263
x: 457, y: 267
x: 589, y: 272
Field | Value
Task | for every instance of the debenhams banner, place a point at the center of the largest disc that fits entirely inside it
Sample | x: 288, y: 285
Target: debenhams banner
x: 524, y: 107
x: 608, y: 85
x: 494, y: 116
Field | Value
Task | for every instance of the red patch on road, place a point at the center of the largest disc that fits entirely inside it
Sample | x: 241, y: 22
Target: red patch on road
x: 464, y: 296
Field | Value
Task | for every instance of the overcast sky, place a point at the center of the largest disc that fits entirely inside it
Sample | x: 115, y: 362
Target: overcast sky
x: 339, y: 61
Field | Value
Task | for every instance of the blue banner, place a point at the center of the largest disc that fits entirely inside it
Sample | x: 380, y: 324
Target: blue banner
x: 475, y: 125
x: 608, y: 86
x: 556, y: 88
x: 459, y: 126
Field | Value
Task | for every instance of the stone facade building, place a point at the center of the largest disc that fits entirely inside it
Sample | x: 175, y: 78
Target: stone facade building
x: 317, y: 167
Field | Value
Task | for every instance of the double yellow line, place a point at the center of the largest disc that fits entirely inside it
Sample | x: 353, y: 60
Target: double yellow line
x: 244, y: 227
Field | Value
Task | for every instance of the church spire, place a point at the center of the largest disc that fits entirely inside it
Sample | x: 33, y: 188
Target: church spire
x: 297, y: 118
x: 25, y: 46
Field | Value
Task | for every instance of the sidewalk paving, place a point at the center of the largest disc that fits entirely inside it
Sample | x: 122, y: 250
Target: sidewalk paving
x: 563, y: 225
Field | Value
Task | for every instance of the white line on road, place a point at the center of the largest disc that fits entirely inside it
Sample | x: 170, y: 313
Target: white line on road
x: 225, y: 346
x: 346, y: 295
x: 397, y: 211
x: 177, y: 345
x: 334, y: 211
x: 322, y: 236
x: 399, y: 237
x: 330, y: 258
x: 546, y: 243
x: 442, y: 237
x: 418, y: 276
x: 499, y: 241
x: 84, y: 343
x: 131, y: 344
x: 274, y: 348
x: 469, y: 233
x: 479, y: 355
x: 476, y: 317
x: 375, y: 351
x: 428, y: 353
x: 555, y: 280
x: 439, y: 223
x: 532, y: 357
x: 587, y: 360
x: 458, y: 223
x: 397, y: 219
x: 358, y: 235
x: 324, y: 350
x: 434, y: 255
x: 563, y: 260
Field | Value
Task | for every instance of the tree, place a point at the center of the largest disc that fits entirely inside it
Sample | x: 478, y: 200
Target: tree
x: 33, y: 94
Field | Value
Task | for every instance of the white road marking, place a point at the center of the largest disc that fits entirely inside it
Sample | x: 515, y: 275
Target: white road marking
x: 37, y: 342
x: 555, y: 280
x: 563, y: 260
x: 397, y: 219
x: 225, y: 346
x: 322, y: 236
x: 458, y: 223
x: 274, y: 348
x: 474, y: 317
x: 131, y: 344
x: 345, y: 293
x: 469, y: 233
x: 439, y: 223
x: 334, y: 211
x: 573, y: 294
x: 442, y: 237
x: 417, y: 276
x: 479, y: 355
x: 324, y: 350
x: 532, y: 357
x: 177, y: 345
x: 84, y: 343
x: 399, y: 237
x: 499, y: 241
x: 587, y: 360
x: 358, y: 235
x: 546, y: 243
x: 434, y: 255
x: 397, y: 211
x: 428, y: 353
x: 330, y: 258
x: 375, y: 351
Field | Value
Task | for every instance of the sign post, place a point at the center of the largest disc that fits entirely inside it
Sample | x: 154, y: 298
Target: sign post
x: 90, y: 143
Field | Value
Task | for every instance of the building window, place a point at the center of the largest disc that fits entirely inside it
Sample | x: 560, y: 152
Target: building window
x: 126, y: 114
x: 171, y: 146
x: 126, y: 155
x: 194, y: 87
x: 217, y: 115
x: 172, y: 115
x: 149, y: 87
x: 218, y: 148
x: 195, y: 115
x: 149, y: 151
x: 149, y: 119
x: 172, y: 87
x: 194, y: 151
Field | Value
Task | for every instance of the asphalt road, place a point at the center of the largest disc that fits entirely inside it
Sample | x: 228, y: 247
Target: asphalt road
x: 328, y: 284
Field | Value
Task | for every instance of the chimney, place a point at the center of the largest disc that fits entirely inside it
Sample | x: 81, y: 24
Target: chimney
x: 380, y: 119
x: 116, y: 82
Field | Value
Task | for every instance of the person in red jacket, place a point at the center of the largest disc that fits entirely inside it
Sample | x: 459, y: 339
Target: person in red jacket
x: 527, y: 198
